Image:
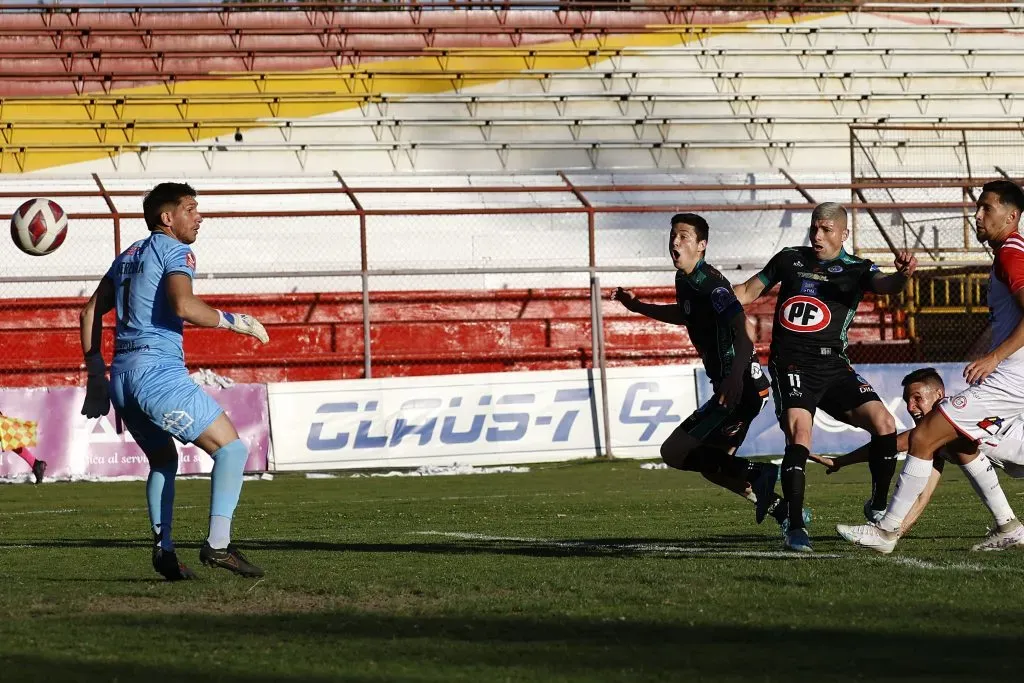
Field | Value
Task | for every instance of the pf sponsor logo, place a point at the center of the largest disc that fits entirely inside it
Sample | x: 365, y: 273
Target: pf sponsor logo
x: 804, y: 314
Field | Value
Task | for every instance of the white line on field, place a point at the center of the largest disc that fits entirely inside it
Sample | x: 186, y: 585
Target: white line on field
x: 58, y: 511
x: 653, y: 548
x: 924, y: 564
x: 327, y: 502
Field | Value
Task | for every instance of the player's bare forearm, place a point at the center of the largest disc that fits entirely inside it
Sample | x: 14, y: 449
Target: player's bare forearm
x: 194, y: 310
x: 187, y: 305
x: 666, y: 313
x: 91, y: 317
x: 749, y: 290
x: 1011, y: 344
x: 860, y: 455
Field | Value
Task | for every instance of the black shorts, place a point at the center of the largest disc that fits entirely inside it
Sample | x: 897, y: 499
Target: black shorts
x: 829, y: 383
x: 723, y: 427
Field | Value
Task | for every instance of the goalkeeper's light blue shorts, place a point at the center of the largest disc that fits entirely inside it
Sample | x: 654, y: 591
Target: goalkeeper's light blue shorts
x: 157, y: 401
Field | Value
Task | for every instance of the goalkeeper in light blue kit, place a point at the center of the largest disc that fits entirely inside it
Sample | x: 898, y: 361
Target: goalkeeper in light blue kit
x: 150, y: 286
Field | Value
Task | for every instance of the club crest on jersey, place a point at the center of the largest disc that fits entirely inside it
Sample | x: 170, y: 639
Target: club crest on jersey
x: 721, y: 297
x: 959, y: 401
x: 835, y: 269
x: 755, y: 371
x: 804, y: 314
x: 991, y: 424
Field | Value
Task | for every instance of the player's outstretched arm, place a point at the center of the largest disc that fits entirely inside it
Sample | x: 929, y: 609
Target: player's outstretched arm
x: 983, y: 367
x: 97, y: 396
x: 1009, y: 267
x: 858, y: 456
x: 906, y: 264
x: 190, y: 308
x: 749, y: 290
x: 666, y: 313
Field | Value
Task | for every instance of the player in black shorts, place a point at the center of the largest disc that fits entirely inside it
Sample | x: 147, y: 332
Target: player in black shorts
x: 706, y: 442
x: 820, y: 288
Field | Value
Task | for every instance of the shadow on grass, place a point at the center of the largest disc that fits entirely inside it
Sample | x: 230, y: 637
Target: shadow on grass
x: 366, y: 646
x: 458, y: 544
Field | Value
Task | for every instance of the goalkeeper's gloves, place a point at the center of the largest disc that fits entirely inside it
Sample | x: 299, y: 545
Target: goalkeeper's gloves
x: 243, y: 324
x: 97, y: 392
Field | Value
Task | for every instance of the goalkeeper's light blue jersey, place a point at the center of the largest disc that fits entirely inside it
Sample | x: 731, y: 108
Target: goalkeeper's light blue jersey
x: 148, y: 330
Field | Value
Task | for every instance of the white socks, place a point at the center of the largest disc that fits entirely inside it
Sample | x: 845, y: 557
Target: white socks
x: 909, y: 486
x: 985, y: 481
x: 220, y: 532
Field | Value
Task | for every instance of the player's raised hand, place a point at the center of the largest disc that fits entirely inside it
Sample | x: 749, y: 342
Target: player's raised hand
x: 980, y: 369
x: 905, y: 262
x: 243, y: 324
x: 97, y: 391
x: 626, y: 298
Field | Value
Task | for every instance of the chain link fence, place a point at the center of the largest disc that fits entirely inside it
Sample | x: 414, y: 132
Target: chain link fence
x: 364, y: 277
x: 915, y: 187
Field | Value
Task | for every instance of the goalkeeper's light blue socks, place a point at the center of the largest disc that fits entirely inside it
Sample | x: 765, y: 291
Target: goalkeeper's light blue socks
x: 160, y: 498
x: 225, y: 488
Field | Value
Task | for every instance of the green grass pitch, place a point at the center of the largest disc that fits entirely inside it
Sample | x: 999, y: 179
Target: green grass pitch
x: 578, y: 572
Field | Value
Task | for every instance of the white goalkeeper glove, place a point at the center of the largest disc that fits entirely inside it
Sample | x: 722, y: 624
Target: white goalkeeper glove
x: 243, y: 324
x: 97, y: 391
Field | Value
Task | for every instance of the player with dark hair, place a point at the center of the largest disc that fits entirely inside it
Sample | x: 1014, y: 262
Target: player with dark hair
x: 707, y: 440
x: 986, y: 417
x: 820, y: 289
x: 922, y: 390
x: 150, y: 286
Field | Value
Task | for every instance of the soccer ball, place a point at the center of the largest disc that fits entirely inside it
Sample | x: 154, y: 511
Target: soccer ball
x: 39, y: 226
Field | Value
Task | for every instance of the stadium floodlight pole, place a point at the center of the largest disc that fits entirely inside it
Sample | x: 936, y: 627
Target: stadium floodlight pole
x: 597, y: 360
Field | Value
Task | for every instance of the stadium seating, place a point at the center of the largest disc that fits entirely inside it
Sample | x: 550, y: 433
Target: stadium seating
x: 523, y: 88
x: 220, y: 92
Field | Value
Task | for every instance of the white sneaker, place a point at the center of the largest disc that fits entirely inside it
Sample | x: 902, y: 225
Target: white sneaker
x: 1001, y: 540
x: 868, y: 536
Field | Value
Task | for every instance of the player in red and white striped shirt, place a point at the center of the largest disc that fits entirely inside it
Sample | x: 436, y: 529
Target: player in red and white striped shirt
x: 989, y: 414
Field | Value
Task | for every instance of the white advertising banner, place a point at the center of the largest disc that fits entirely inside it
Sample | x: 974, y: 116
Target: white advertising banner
x: 482, y: 419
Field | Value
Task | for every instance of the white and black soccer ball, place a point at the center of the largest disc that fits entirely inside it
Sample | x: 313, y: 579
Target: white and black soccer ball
x: 39, y: 226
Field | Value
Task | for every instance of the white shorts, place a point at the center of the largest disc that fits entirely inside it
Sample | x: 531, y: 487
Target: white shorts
x: 987, y: 409
x: 1006, y: 449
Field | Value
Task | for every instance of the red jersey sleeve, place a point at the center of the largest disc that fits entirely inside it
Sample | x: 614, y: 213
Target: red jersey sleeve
x: 1010, y: 263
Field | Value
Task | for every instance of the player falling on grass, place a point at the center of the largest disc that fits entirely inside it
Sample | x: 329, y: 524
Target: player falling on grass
x: 707, y: 440
x: 922, y: 390
x: 989, y: 414
x: 820, y: 289
x: 150, y: 286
